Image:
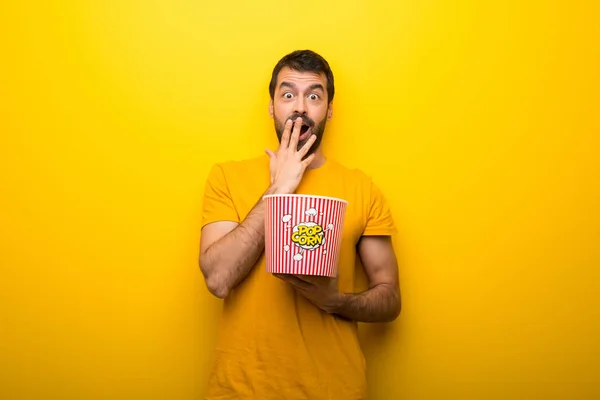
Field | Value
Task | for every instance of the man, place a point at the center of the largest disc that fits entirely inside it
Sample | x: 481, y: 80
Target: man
x: 284, y: 336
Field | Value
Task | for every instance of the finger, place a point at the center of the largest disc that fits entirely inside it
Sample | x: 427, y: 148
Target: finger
x: 295, y: 134
x: 285, y: 138
x: 308, y: 160
x: 304, y: 278
x: 314, y: 279
x: 302, y: 291
x: 272, y: 162
x: 311, y: 140
x: 283, y: 277
x: 299, y: 283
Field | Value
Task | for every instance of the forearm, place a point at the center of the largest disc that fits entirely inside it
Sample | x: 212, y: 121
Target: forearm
x: 228, y: 261
x: 380, y: 303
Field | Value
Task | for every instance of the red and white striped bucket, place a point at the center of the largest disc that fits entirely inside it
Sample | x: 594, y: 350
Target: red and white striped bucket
x: 303, y: 233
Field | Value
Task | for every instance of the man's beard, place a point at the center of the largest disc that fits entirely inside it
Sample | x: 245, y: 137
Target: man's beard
x: 316, y: 129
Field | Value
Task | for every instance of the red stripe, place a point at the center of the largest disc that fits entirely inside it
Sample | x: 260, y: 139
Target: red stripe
x: 322, y: 218
x: 276, y: 229
x: 298, y: 265
x: 296, y: 205
x: 318, y: 260
x: 293, y: 211
x: 281, y: 242
x: 285, y: 254
x: 322, y: 263
x: 269, y: 233
x: 322, y: 221
x: 339, y: 223
x: 266, y: 201
x: 269, y: 225
x: 309, y: 253
x: 334, y: 234
x: 277, y: 238
x: 341, y: 217
x: 331, y: 247
x: 285, y: 206
x: 286, y: 210
x: 314, y: 259
x: 272, y: 228
x: 267, y: 247
x: 294, y: 221
x: 316, y: 270
x: 300, y: 207
x: 331, y: 252
x: 276, y: 213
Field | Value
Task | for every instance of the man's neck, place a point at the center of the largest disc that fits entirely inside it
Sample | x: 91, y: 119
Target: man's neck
x: 319, y: 160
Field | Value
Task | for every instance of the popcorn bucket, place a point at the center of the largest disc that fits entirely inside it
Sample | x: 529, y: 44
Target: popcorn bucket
x: 303, y: 233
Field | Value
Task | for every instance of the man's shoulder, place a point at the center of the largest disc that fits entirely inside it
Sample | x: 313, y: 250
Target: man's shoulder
x: 352, y: 173
x: 246, y: 165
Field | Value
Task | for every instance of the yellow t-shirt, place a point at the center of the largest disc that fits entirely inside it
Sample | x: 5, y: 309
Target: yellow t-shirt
x: 273, y: 343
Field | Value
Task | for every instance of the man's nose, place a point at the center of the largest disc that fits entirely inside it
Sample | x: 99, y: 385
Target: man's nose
x: 300, y: 106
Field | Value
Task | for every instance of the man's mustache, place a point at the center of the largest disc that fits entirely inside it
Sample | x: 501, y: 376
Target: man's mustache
x: 305, y: 120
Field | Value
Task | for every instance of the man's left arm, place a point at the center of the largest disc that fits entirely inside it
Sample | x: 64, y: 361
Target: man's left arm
x: 379, y: 303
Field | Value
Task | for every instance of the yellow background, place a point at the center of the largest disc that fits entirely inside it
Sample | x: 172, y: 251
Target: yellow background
x: 479, y: 120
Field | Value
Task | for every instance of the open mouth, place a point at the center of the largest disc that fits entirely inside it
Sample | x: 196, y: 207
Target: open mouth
x: 305, y: 131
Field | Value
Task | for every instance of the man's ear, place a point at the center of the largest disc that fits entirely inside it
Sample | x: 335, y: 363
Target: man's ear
x: 271, y: 108
x: 329, y: 111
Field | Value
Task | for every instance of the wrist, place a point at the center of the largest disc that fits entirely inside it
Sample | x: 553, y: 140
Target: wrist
x: 337, y: 303
x: 276, y: 189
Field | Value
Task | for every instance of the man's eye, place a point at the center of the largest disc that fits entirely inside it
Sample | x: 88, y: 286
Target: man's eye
x: 314, y: 97
x: 288, y: 95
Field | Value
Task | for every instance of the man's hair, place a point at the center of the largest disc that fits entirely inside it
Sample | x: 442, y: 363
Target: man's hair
x: 304, y: 61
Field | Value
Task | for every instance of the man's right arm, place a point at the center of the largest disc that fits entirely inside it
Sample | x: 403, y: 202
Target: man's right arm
x: 229, y: 250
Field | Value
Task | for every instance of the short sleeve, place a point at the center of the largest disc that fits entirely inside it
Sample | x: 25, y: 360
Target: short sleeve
x: 379, y: 217
x: 217, y: 204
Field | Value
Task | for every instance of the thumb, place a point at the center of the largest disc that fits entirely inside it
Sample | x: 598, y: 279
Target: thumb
x: 270, y: 154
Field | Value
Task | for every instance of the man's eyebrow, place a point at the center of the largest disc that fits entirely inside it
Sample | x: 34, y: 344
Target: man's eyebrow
x: 293, y: 86
x: 287, y: 84
x: 316, y: 86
